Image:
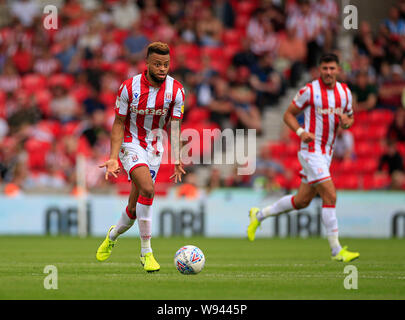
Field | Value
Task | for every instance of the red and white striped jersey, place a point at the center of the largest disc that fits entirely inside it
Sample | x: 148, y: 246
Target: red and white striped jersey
x: 322, y: 107
x: 148, y: 108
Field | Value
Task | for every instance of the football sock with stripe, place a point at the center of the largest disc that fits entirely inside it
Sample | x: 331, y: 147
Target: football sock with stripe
x: 125, y: 222
x: 283, y: 205
x: 329, y: 220
x: 144, y: 215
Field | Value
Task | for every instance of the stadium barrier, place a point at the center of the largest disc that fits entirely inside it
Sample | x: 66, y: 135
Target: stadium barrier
x: 223, y: 213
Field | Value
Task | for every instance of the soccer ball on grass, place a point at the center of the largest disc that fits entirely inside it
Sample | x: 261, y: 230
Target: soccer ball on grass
x: 189, y: 260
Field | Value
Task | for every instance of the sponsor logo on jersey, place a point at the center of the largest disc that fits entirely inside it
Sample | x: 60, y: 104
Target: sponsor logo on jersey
x: 329, y: 111
x: 149, y: 111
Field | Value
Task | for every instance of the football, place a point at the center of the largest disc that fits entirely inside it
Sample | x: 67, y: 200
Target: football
x: 189, y: 260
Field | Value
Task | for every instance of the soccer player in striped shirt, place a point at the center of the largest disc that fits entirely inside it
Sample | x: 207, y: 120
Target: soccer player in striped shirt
x: 326, y: 104
x: 145, y: 103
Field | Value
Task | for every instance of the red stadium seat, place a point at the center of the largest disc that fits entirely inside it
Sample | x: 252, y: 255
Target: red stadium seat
x: 198, y: 115
x: 278, y: 150
x: 377, y: 132
x: 365, y: 149
x: 37, y: 151
x: 347, y: 181
x: 241, y: 22
x: 245, y: 7
x: 366, y: 165
x: 380, y: 117
x: 360, y: 132
x: 33, y: 82
x: 231, y: 37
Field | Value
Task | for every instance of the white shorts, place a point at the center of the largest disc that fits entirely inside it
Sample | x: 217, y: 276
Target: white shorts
x: 315, y: 167
x: 133, y: 156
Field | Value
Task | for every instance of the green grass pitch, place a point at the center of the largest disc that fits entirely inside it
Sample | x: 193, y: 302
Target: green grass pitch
x: 235, y: 269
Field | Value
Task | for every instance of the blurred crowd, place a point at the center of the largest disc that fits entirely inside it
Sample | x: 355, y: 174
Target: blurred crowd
x: 234, y: 58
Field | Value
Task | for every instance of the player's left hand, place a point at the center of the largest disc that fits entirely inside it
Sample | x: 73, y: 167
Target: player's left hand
x: 345, y: 121
x: 178, y: 172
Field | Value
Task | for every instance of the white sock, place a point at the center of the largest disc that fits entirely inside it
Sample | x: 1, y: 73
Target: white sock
x: 123, y: 225
x: 283, y: 205
x: 144, y: 215
x: 331, y: 225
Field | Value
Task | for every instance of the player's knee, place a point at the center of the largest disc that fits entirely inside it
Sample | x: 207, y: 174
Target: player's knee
x: 302, y: 203
x: 147, y: 191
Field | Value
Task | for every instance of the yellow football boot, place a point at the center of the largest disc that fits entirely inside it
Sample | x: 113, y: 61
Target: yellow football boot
x: 345, y: 255
x: 149, y: 263
x: 104, y: 250
x: 254, y: 224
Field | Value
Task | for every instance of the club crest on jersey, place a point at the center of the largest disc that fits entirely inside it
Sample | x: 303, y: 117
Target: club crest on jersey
x: 134, y: 158
x: 329, y: 111
x: 168, y: 96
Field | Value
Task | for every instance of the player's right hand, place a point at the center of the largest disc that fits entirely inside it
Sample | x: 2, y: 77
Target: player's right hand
x: 307, y: 137
x: 112, y: 167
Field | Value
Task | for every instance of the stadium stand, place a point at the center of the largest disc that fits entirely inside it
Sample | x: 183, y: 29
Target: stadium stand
x: 52, y: 81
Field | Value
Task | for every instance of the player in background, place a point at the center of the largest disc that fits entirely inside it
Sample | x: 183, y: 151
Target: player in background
x: 145, y: 103
x: 326, y: 104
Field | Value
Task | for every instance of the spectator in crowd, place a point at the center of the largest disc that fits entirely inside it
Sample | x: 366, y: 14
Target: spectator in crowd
x: 136, y: 43
x: 244, y: 97
x: 22, y: 59
x: 95, y: 127
x: 266, y: 81
x: 209, y: 29
x: 396, y: 130
x: 344, y: 146
x: 265, y: 40
x: 265, y: 161
x: 293, y: 53
x: 224, y: 12
x: 394, y: 23
x: 215, y: 181
x: 46, y: 64
x: 26, y: 11
x: 390, y: 92
x: 365, y: 42
x: 64, y: 107
x: 221, y: 106
x: 188, y: 189
x: 310, y: 27
x: 364, y: 93
x: 125, y: 14
x: 10, y: 80
x: 391, y: 161
x: 245, y: 56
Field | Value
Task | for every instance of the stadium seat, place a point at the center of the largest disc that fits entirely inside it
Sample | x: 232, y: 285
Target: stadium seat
x: 197, y: 115
x: 366, y: 165
x: 278, y: 150
x: 241, y: 22
x: 231, y: 37
x: 36, y: 150
x: 245, y: 7
x: 380, y: 117
x: 33, y: 82
x: 346, y: 181
x: 373, y: 182
x: 365, y: 148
